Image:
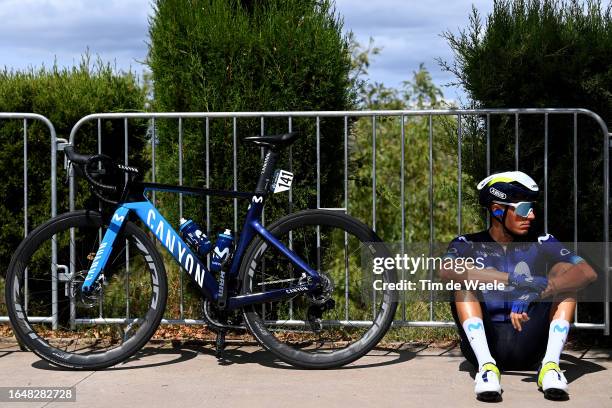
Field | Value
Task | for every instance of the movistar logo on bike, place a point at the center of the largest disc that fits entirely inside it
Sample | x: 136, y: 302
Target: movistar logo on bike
x: 177, y: 247
x: 221, y: 254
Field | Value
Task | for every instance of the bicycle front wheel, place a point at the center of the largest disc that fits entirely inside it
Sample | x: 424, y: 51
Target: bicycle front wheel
x: 54, y: 319
x: 341, y: 322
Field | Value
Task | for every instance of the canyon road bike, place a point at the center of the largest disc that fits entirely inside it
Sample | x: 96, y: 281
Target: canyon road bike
x: 292, y: 285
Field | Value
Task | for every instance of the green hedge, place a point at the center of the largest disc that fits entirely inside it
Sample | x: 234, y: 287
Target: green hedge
x: 228, y: 56
x: 543, y: 53
x: 63, y: 95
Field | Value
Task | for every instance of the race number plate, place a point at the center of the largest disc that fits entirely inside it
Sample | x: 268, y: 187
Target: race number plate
x: 282, y: 181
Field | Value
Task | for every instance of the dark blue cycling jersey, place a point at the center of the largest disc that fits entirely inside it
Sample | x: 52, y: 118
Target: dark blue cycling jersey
x: 529, y: 257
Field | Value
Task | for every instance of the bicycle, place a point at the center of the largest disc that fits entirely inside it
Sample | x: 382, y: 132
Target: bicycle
x: 270, y: 286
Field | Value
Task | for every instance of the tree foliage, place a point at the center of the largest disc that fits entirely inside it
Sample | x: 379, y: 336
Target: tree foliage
x: 418, y: 92
x: 542, y: 53
x: 63, y: 95
x: 231, y: 56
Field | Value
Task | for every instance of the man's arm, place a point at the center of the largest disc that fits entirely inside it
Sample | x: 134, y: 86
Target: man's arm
x: 567, y: 277
x: 461, y: 249
x: 488, y: 275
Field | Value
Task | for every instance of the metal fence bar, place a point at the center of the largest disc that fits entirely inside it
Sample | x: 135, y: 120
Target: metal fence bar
x: 263, y: 215
x: 127, y: 243
x: 318, y: 142
x: 374, y: 199
x: 180, y: 159
x: 346, y: 209
x: 516, y: 141
x: 100, y: 236
x: 546, y: 172
x: 374, y: 172
x: 575, y: 181
x: 488, y: 144
x: 431, y: 204
x: 290, y: 199
x: 25, y: 180
x: 25, y: 205
x: 488, y: 158
x: 402, y: 203
x: 331, y: 114
x: 153, y: 167
x: 459, y: 173
x: 606, y: 226
x: 262, y: 130
x: 208, y: 185
x: 24, y: 117
x: 235, y: 170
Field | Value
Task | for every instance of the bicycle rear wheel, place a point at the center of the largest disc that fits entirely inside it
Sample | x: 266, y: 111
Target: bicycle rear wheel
x: 54, y: 319
x: 342, y: 322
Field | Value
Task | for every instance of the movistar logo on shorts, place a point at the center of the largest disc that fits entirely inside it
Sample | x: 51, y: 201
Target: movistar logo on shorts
x: 497, y: 193
x: 560, y: 329
x: 474, y: 326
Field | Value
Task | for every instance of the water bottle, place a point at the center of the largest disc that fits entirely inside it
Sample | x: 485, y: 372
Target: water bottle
x: 222, y: 251
x: 193, y: 235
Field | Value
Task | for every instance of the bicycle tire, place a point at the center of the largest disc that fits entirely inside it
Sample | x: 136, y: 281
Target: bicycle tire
x: 53, y: 228
x: 292, y: 355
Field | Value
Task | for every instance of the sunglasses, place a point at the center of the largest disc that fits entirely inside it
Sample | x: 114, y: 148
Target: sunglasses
x: 522, y: 209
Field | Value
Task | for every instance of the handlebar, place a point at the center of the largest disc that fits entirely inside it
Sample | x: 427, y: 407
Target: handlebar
x: 85, y: 165
x: 76, y: 157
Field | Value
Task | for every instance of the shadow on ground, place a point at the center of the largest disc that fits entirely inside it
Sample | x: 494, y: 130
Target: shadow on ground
x: 239, y: 354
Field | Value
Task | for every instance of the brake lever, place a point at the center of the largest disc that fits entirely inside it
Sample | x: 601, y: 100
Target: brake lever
x: 71, y: 169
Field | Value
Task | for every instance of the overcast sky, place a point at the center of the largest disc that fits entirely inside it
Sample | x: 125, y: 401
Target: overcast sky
x: 35, y: 32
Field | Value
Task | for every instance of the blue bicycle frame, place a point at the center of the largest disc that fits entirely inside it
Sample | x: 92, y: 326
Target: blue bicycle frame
x: 196, y: 270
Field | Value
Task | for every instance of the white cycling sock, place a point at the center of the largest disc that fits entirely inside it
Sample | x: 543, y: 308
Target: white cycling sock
x: 557, y: 334
x: 474, y: 329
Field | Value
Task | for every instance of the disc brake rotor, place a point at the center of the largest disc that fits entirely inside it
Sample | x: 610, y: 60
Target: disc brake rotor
x: 88, y: 299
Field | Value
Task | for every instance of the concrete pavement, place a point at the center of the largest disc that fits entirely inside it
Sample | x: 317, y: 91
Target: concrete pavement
x: 191, y: 376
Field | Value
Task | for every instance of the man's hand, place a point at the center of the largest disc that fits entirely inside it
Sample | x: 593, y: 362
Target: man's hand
x: 519, y: 308
x: 534, y: 283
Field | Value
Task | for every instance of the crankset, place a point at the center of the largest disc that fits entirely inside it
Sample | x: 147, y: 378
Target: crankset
x: 218, y: 320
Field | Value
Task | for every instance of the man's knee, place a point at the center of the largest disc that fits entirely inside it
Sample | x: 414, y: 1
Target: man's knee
x: 467, y: 305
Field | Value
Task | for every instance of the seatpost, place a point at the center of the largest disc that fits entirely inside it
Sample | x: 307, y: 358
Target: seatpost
x: 267, y: 170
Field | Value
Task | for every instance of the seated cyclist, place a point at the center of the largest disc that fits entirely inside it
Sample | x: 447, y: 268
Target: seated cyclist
x: 513, y: 329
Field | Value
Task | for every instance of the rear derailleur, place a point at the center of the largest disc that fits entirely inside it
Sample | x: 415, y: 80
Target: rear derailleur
x: 321, y: 301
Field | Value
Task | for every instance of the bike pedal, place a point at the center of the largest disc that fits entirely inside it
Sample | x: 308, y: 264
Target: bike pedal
x: 220, y: 342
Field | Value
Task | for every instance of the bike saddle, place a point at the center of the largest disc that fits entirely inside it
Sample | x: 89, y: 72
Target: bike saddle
x: 274, y: 141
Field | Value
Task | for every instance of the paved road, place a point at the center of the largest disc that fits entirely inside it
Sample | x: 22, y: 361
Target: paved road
x: 189, y: 375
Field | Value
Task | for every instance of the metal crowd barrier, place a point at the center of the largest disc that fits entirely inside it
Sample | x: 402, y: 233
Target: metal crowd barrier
x: 180, y: 117
x: 374, y: 115
x: 53, y: 142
